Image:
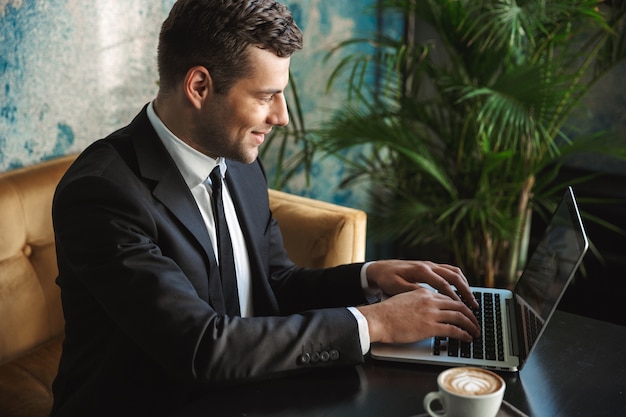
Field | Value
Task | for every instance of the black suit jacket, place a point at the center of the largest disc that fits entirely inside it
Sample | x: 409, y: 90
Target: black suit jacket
x: 145, y: 331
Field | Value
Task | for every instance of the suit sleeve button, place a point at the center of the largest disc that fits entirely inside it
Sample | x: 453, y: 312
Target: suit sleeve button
x: 305, y: 358
x: 315, y: 357
x: 324, y: 356
x: 334, y: 355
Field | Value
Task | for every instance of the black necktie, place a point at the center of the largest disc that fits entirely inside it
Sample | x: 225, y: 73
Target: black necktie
x: 225, y: 247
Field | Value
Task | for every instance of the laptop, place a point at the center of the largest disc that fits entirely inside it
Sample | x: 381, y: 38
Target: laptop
x: 521, y: 315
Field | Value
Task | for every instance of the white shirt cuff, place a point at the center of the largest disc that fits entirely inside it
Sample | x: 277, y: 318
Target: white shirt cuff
x: 372, y: 295
x: 364, y: 333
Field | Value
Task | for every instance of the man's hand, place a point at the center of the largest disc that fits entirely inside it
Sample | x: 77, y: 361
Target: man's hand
x: 396, y: 276
x: 417, y: 315
x: 415, y: 312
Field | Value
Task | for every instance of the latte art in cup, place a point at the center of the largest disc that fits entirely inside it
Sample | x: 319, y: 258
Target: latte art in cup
x: 471, y: 381
x: 466, y: 392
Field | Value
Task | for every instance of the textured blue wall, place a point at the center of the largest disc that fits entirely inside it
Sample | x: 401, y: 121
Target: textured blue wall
x: 72, y: 71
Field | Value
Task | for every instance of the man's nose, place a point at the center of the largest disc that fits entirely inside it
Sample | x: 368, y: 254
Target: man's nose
x: 279, y: 116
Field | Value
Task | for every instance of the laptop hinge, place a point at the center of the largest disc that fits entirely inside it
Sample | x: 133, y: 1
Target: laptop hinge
x: 513, y: 330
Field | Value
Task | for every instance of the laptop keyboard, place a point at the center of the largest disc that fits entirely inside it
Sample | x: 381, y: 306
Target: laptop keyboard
x: 490, y: 345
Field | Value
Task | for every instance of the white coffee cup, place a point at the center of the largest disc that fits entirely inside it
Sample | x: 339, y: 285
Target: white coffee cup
x: 467, y: 392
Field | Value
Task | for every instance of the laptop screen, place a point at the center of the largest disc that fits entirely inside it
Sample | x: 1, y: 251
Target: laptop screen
x: 550, y: 269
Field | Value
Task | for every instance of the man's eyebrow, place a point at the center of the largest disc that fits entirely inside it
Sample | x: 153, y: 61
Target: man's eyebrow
x: 270, y: 91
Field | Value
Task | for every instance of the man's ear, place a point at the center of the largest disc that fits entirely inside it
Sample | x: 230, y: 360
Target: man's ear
x: 198, y: 86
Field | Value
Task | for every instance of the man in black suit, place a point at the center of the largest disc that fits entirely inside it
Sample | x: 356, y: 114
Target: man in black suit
x: 149, y: 322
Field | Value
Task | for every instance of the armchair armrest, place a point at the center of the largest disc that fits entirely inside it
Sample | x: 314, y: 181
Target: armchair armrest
x: 319, y: 234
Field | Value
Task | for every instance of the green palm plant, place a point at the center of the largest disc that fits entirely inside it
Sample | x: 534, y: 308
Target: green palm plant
x: 456, y: 125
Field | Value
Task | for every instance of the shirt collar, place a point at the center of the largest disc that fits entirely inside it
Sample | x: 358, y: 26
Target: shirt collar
x: 194, y: 166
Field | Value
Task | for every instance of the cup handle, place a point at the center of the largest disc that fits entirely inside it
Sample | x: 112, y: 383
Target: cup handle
x: 428, y: 399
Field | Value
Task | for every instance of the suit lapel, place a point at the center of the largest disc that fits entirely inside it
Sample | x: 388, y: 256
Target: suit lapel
x: 155, y: 164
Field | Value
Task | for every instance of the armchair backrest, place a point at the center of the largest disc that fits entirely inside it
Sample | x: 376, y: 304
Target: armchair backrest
x: 319, y: 234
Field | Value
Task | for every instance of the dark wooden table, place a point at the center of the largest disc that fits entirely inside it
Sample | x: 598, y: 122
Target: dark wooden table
x: 578, y: 369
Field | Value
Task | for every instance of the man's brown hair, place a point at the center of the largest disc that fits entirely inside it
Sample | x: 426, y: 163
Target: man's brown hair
x: 216, y: 33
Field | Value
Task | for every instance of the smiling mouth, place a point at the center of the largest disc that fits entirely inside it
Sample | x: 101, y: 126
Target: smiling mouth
x: 260, y: 136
